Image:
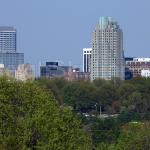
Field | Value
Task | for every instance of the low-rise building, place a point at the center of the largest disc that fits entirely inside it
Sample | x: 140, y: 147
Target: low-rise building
x: 76, y: 74
x: 24, y: 72
x: 136, y: 65
x: 145, y: 73
x: 53, y: 70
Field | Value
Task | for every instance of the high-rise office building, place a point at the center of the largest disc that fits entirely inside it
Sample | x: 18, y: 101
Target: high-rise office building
x: 107, y: 57
x: 7, y: 40
x: 86, y: 59
x: 8, y: 49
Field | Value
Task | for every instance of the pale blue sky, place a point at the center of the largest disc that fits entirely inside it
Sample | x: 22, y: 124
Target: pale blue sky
x: 59, y: 29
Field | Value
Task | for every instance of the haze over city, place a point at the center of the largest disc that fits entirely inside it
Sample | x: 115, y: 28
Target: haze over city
x: 59, y: 30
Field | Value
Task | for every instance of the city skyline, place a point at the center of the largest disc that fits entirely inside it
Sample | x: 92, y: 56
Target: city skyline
x: 56, y: 31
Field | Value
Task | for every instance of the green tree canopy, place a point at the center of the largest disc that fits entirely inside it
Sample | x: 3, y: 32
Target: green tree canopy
x: 134, y: 136
x: 30, y: 119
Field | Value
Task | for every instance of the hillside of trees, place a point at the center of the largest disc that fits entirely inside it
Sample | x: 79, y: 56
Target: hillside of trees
x: 113, y: 96
x: 30, y: 119
x: 130, y: 100
x: 55, y: 114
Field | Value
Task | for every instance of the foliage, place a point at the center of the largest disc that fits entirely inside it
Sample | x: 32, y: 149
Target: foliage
x: 134, y: 136
x: 31, y: 119
x: 114, y: 96
x: 129, y: 99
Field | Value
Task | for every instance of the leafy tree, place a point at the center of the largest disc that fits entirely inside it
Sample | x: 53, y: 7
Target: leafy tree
x: 55, y: 85
x: 80, y: 95
x: 134, y: 136
x: 30, y: 119
x: 106, y: 95
x: 105, y: 130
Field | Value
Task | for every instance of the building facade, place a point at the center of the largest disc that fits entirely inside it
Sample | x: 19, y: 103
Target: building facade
x: 87, y: 59
x: 11, y: 60
x: 75, y: 75
x: 53, y: 70
x: 24, y: 72
x: 107, y: 57
x: 8, y: 49
x: 8, y: 40
x: 145, y: 73
x: 136, y: 65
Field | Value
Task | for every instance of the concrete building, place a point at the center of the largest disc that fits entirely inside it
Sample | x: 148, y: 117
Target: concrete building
x: 53, y: 70
x: 87, y: 59
x: 136, y: 65
x: 8, y: 49
x: 75, y: 75
x: 145, y: 73
x: 24, y: 72
x: 2, y: 69
x: 107, y: 57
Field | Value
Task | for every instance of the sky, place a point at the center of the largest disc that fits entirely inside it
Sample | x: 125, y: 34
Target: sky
x: 58, y: 30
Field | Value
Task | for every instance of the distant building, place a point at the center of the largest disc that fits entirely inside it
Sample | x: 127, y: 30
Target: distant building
x: 53, y: 70
x: 107, y: 56
x: 128, y: 74
x: 2, y: 69
x: 145, y: 73
x: 11, y: 60
x: 8, y: 39
x: 136, y: 65
x: 87, y: 59
x: 24, y: 72
x: 8, y: 49
x: 76, y: 74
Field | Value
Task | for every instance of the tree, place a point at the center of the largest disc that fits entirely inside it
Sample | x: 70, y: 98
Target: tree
x: 105, y: 131
x: 55, y: 85
x: 134, y: 136
x: 80, y: 95
x: 30, y: 119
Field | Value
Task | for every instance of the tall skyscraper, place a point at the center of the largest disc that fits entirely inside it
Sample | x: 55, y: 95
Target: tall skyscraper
x: 86, y: 59
x: 8, y: 49
x: 7, y: 40
x: 107, y: 57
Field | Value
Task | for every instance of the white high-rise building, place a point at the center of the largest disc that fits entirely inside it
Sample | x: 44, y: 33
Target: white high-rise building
x: 107, y: 57
x: 86, y: 59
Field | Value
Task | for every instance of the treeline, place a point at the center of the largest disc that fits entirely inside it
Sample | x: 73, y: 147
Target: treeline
x: 130, y: 100
x: 113, y: 96
x: 49, y: 114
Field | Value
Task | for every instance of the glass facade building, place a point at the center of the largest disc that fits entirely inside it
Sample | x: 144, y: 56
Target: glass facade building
x: 8, y: 40
x: 53, y: 70
x: 8, y: 49
x: 11, y: 60
x: 107, y: 56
